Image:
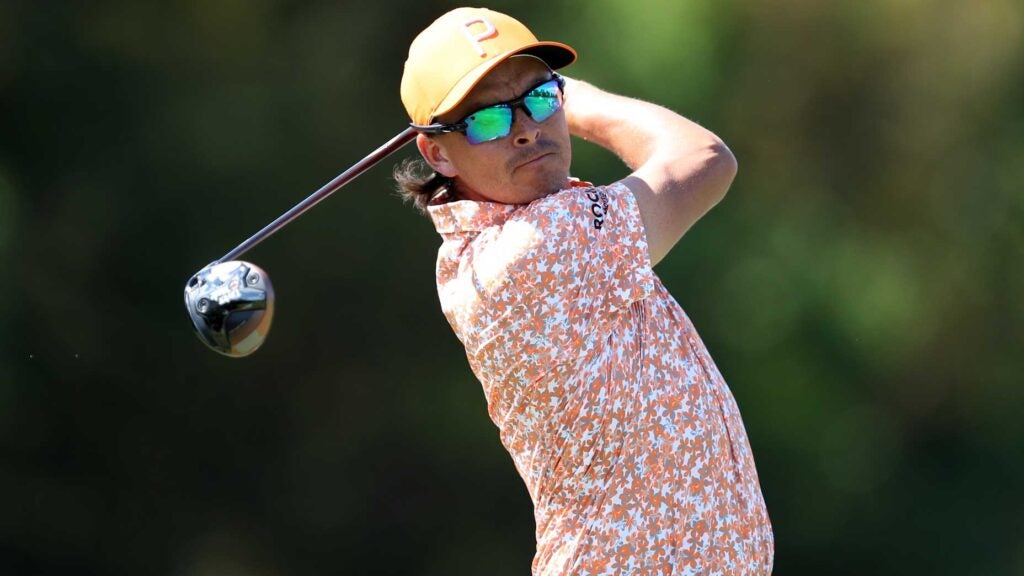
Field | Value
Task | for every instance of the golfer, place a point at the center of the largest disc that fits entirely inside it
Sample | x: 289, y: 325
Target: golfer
x: 629, y: 441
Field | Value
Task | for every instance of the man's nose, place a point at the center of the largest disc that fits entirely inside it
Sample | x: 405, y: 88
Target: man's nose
x: 525, y: 130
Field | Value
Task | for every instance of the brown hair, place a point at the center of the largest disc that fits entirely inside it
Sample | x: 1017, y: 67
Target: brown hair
x: 418, y: 183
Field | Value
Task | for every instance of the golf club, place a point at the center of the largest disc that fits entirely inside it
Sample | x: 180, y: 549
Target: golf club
x: 231, y: 302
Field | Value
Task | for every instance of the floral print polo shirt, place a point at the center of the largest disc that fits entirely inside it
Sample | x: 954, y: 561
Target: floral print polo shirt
x: 629, y: 441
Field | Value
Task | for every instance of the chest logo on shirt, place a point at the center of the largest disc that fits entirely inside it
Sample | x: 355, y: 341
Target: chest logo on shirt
x: 598, y: 206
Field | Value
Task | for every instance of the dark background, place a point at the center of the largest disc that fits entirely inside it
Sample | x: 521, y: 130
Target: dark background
x: 860, y: 287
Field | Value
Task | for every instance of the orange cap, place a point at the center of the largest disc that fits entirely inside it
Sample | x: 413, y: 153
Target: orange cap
x: 451, y: 55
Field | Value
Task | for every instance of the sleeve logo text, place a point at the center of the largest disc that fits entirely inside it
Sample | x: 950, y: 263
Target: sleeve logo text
x: 598, y: 206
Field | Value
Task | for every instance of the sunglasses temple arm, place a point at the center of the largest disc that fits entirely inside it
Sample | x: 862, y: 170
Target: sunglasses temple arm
x: 438, y: 128
x: 388, y: 148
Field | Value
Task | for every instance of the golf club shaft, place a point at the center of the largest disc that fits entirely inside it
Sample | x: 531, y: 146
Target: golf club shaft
x: 403, y: 138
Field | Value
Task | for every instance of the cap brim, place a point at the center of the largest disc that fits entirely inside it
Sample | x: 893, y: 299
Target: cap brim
x: 555, y: 54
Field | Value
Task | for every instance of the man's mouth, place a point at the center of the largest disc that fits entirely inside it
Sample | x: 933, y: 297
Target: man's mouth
x: 543, y: 149
x: 534, y: 160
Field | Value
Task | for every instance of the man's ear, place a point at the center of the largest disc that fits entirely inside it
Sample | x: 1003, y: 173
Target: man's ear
x: 434, y: 154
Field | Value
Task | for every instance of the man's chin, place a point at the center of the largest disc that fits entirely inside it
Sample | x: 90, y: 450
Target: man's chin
x: 550, y: 185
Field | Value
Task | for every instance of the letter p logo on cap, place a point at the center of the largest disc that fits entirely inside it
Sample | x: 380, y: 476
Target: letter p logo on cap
x: 489, y: 32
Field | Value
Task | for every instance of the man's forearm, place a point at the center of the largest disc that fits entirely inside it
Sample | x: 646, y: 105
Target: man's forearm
x: 634, y: 130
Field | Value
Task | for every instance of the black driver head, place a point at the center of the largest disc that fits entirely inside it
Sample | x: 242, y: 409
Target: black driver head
x: 231, y: 305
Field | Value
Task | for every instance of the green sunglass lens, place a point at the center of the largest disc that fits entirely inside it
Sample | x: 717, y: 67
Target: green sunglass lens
x: 488, y: 124
x: 543, y: 102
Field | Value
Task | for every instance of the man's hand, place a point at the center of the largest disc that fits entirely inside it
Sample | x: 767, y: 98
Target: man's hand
x: 680, y: 170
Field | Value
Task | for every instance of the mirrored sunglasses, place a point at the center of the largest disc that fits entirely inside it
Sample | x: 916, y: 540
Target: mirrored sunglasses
x: 495, y: 121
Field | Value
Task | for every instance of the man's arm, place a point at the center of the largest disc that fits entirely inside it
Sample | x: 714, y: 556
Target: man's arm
x: 680, y: 170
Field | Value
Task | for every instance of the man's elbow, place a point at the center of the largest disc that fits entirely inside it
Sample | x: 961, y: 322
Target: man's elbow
x: 699, y: 174
x: 722, y: 168
x: 708, y: 173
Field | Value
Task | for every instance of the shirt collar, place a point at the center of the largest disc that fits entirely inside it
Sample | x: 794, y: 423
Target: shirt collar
x: 469, y: 215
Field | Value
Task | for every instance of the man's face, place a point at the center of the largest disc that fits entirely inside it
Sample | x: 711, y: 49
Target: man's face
x: 530, y: 163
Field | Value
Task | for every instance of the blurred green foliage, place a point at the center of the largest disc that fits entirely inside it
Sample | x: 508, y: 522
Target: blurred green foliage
x: 860, y: 287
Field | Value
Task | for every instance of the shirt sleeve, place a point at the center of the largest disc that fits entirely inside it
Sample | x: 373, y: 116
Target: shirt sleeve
x: 578, y: 260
